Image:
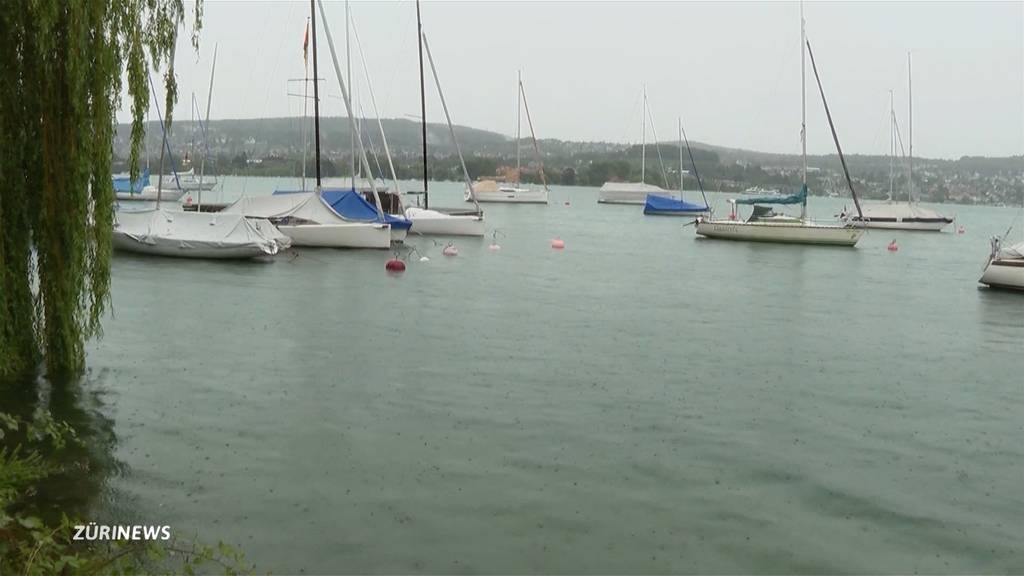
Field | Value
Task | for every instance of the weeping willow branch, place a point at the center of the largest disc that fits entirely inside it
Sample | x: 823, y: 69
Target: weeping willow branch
x: 61, y: 65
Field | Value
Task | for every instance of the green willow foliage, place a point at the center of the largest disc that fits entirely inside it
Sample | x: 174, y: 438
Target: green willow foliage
x: 61, y: 69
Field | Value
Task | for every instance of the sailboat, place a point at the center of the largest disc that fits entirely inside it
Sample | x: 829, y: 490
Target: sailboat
x: 764, y: 225
x: 907, y: 215
x: 310, y: 218
x: 657, y: 205
x: 635, y: 192
x: 514, y: 192
x: 441, y: 222
x: 163, y: 232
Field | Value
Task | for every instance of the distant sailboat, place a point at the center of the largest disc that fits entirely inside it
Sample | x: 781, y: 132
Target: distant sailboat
x: 764, y: 225
x: 657, y: 205
x: 634, y: 192
x: 907, y: 215
x: 514, y: 192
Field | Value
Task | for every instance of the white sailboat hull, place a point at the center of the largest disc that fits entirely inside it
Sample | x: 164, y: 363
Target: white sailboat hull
x: 630, y: 193
x: 510, y: 196
x: 1006, y: 274
x: 149, y: 194
x: 343, y: 235
x: 780, y: 232
x: 901, y: 225
x: 434, y: 223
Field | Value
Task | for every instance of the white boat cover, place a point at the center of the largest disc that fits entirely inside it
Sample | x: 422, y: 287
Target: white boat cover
x: 900, y: 210
x: 633, y: 187
x: 1012, y: 252
x: 306, y: 206
x: 198, y: 234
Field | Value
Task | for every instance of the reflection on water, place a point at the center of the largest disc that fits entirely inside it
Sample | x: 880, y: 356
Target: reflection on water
x: 85, y: 465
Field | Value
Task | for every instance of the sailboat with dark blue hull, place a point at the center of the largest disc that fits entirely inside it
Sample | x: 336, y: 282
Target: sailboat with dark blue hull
x: 659, y: 205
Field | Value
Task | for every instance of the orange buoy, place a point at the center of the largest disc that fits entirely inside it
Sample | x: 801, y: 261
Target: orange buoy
x: 395, y: 265
x: 558, y: 244
x: 893, y: 246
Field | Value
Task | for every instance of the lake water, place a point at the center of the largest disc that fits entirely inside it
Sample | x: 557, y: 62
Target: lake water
x: 643, y: 401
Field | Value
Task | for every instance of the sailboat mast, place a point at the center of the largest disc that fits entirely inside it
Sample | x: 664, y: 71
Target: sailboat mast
x: 316, y: 93
x: 910, y: 135
x: 680, y: 158
x: 206, y: 129
x: 305, y: 106
x: 892, y: 142
x: 423, y: 106
x: 348, y: 81
x: 519, y: 122
x: 803, y: 110
x: 533, y: 135
x: 643, y: 137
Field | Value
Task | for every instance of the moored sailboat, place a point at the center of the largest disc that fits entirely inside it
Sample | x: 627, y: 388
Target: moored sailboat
x: 657, y: 205
x: 635, y: 192
x: 907, y: 215
x: 766, y: 226
x: 441, y: 222
x: 514, y: 192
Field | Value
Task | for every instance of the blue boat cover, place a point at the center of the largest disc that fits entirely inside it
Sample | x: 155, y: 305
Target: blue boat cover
x: 664, y: 204
x: 125, y: 184
x: 351, y: 205
x: 798, y: 198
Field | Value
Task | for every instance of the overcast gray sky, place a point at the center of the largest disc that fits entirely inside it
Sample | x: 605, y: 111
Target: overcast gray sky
x: 731, y: 69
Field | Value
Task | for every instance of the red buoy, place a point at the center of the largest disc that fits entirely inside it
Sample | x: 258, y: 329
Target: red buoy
x: 395, y: 265
x: 893, y: 246
x: 558, y: 244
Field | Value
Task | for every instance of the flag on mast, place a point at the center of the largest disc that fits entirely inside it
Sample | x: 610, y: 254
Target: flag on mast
x: 305, y: 43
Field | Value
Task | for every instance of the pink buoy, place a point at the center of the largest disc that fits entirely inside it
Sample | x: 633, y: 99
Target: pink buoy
x: 961, y: 230
x: 893, y: 246
x: 450, y: 250
x: 395, y: 265
x: 558, y: 244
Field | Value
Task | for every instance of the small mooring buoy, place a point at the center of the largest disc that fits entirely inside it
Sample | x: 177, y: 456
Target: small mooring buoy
x: 558, y: 244
x: 395, y: 265
x: 450, y: 250
x: 961, y: 230
x: 893, y: 246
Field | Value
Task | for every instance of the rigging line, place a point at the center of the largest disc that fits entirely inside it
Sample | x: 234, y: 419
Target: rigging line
x: 832, y: 126
x: 692, y: 163
x: 657, y: 145
x: 376, y: 111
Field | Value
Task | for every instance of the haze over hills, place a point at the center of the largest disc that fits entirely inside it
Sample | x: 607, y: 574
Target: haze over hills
x: 274, y: 147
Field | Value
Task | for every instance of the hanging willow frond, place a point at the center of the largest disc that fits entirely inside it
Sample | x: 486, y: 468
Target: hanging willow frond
x: 61, y: 69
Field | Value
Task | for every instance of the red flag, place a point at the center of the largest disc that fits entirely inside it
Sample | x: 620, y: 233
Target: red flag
x: 305, y: 43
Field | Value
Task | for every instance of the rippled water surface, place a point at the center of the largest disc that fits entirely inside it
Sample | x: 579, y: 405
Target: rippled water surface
x: 641, y: 402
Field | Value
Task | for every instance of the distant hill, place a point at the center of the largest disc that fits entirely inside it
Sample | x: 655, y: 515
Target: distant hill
x: 274, y: 146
